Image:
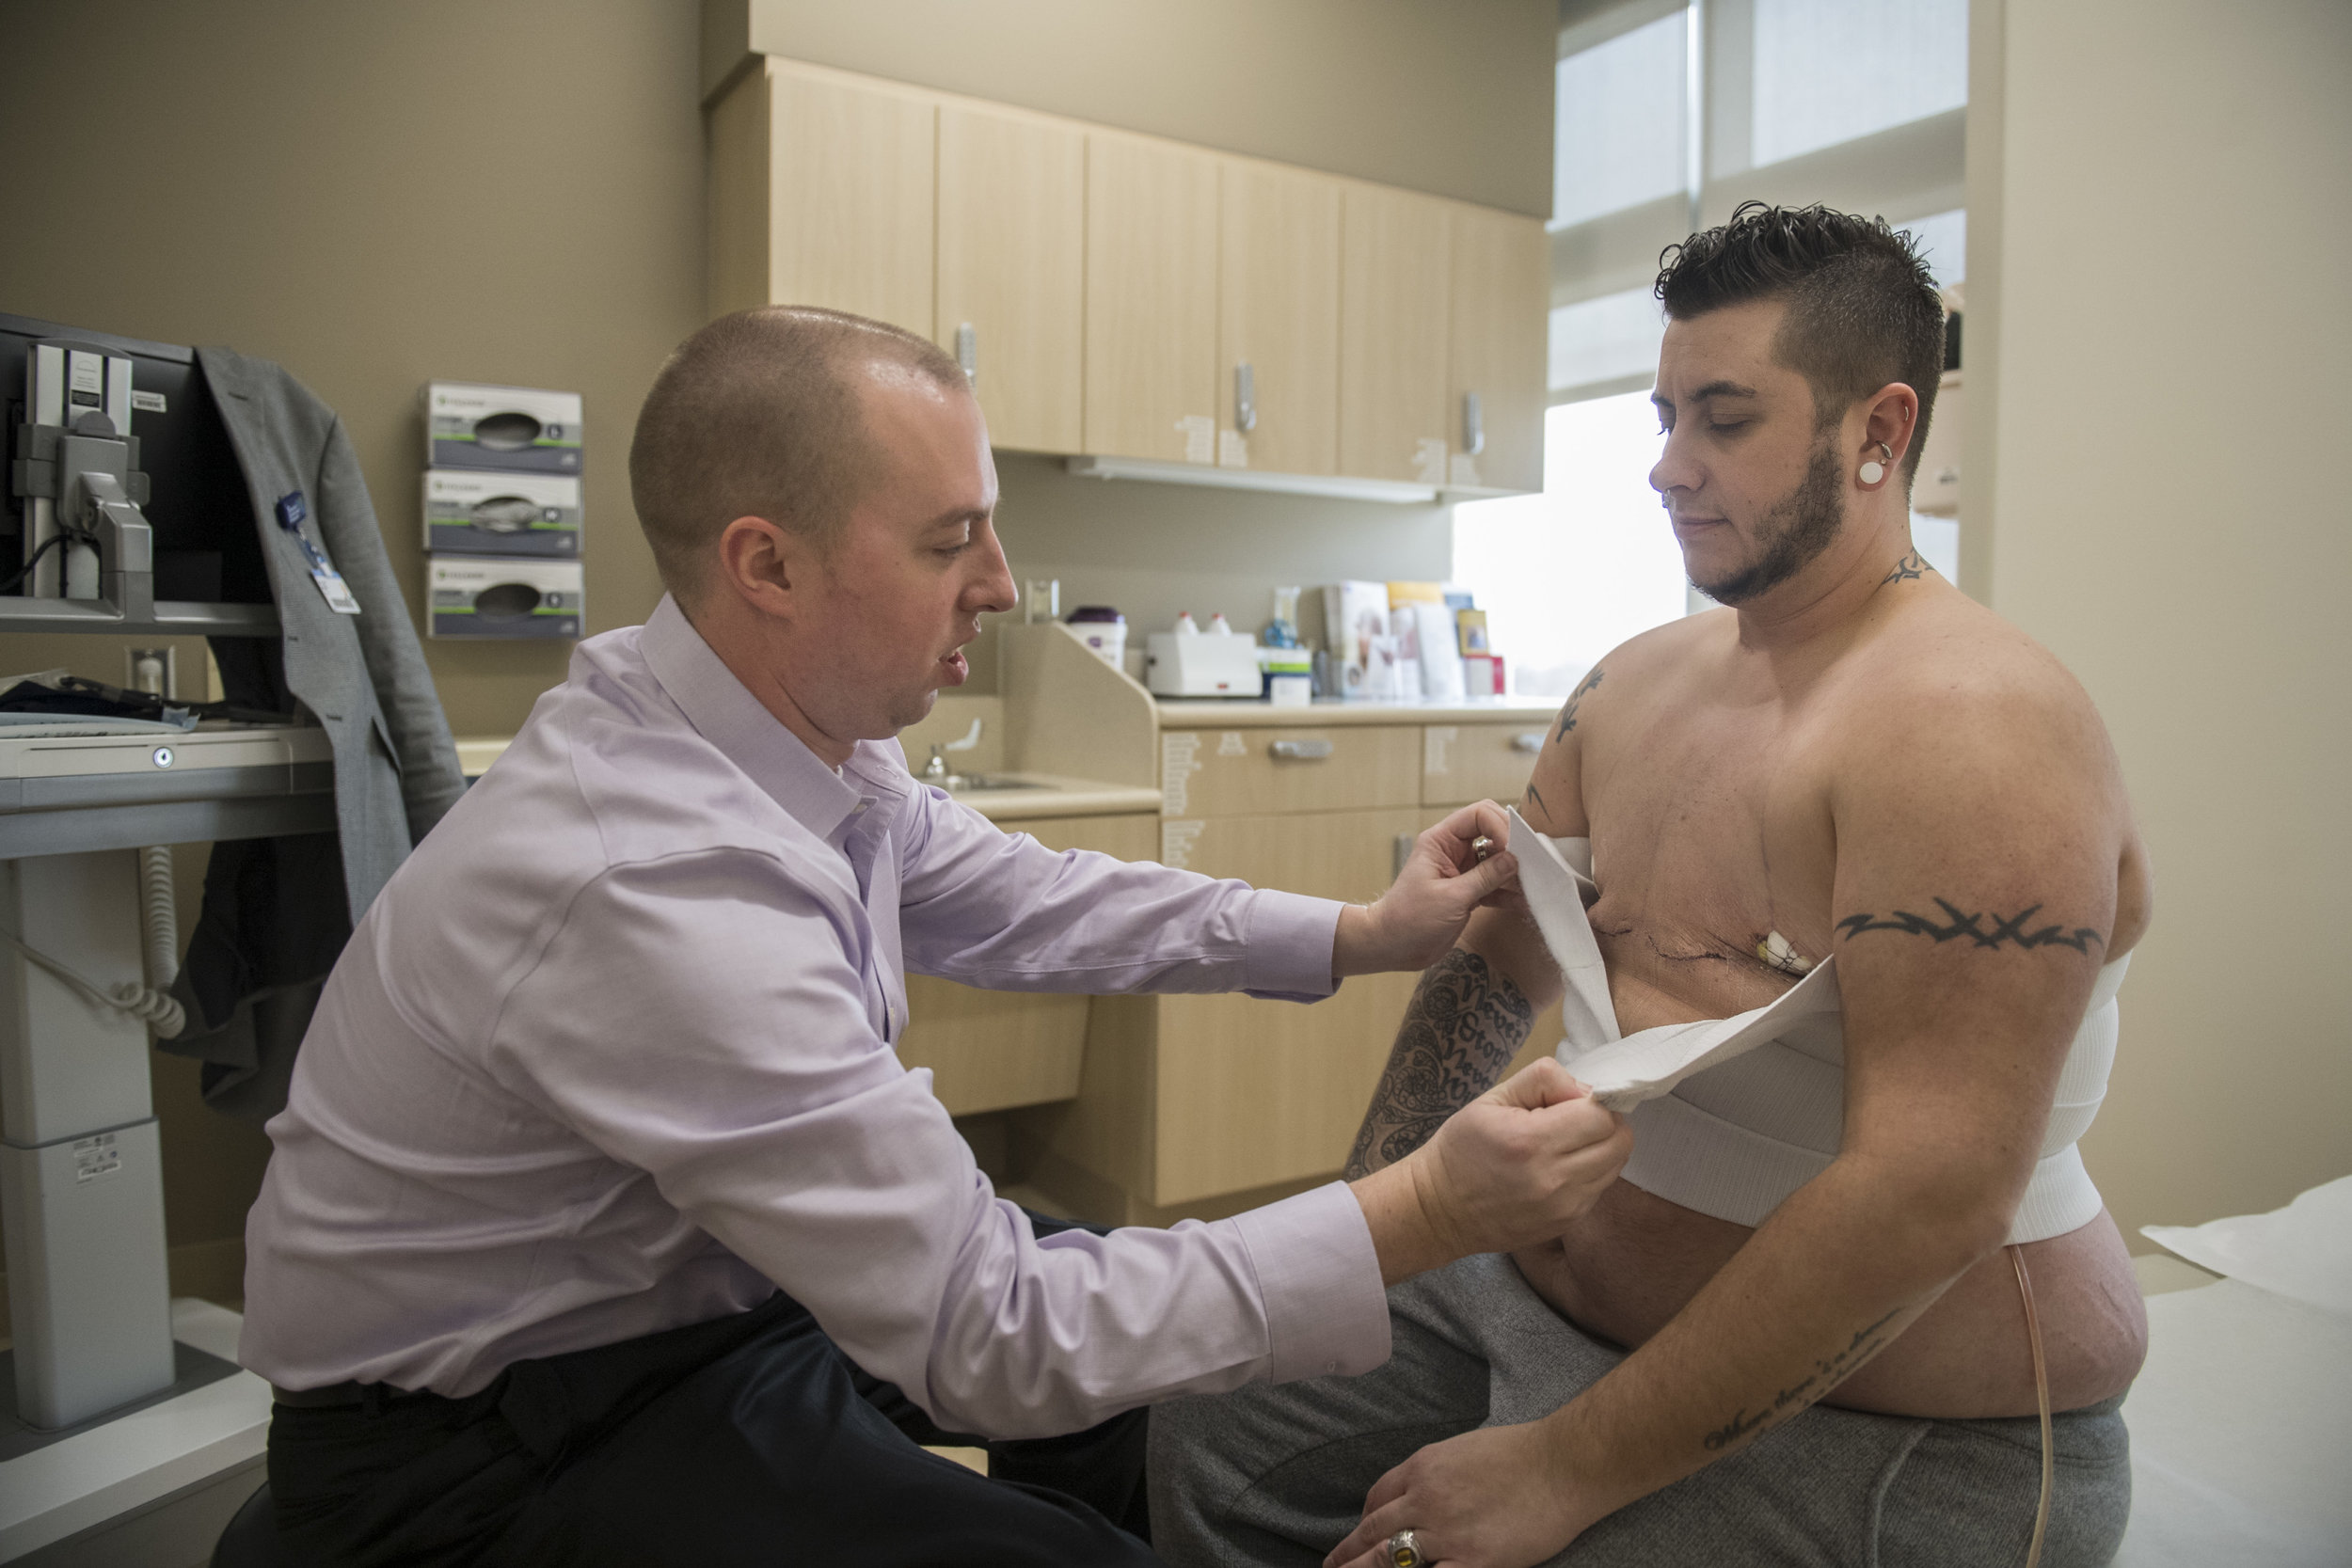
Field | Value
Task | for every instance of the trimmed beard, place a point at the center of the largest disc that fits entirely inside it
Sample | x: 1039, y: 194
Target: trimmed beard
x: 1799, y: 528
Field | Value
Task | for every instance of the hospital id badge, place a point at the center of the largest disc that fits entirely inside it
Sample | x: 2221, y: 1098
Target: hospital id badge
x: 334, y: 590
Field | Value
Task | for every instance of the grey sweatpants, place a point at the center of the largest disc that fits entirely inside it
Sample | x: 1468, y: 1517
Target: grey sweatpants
x: 1277, y: 1475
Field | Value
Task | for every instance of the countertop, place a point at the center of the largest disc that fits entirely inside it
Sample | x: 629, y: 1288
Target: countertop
x: 1053, y: 795
x: 1256, y: 713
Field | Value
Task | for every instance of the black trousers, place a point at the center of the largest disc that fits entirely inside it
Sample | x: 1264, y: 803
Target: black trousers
x: 747, y: 1440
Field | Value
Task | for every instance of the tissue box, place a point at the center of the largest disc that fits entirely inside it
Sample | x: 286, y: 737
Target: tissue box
x: 492, y: 514
x: 511, y: 429
x: 505, y: 599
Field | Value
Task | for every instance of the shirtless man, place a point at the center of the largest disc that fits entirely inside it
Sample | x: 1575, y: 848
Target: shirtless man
x: 1850, y: 759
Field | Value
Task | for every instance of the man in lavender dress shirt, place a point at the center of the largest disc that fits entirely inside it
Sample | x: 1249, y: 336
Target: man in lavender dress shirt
x: 604, y: 1226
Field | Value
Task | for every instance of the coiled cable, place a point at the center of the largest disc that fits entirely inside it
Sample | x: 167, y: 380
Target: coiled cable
x: 158, y: 1011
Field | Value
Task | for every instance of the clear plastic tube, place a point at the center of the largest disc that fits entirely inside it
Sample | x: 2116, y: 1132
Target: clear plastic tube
x: 2041, y: 1402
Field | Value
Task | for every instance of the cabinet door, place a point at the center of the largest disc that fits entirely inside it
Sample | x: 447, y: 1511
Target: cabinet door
x: 1150, y: 300
x: 1012, y: 269
x: 850, y: 197
x: 1500, y: 284
x: 990, y: 1050
x: 1279, y: 316
x: 1392, y: 335
x: 1249, y: 1093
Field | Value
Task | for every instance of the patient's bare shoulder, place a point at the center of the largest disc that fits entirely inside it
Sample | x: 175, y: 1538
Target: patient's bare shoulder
x: 1631, y: 679
x: 1954, y: 726
x: 1941, y: 659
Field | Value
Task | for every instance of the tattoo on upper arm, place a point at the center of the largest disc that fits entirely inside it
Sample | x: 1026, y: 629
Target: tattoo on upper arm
x: 1537, y: 795
x: 1567, y: 714
x: 1910, y: 566
x: 1461, y: 1029
x: 2005, y: 927
x: 1827, y: 1373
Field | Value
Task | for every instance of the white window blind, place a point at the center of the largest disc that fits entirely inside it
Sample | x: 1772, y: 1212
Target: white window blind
x: 1620, y: 108
x: 1830, y: 71
x: 1858, y: 103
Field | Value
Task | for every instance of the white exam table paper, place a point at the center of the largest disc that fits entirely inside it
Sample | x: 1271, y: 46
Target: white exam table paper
x: 2302, y: 1251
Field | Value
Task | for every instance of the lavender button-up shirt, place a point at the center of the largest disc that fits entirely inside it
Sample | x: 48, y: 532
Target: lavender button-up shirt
x: 611, y: 1053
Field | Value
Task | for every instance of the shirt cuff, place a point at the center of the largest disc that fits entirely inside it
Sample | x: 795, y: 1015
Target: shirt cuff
x: 1325, y: 1311
x: 1290, y: 946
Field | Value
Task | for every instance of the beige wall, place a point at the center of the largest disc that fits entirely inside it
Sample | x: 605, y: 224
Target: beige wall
x: 376, y: 197
x: 373, y: 195
x: 1453, y: 97
x: 2157, y: 244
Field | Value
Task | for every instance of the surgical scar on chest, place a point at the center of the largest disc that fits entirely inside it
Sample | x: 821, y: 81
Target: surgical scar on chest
x: 1980, y: 928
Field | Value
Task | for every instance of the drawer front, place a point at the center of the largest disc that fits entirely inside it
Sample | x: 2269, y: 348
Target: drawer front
x: 1461, y: 762
x: 1348, y: 855
x: 988, y: 1050
x: 1246, y: 772
x: 1250, y: 1093
x: 1127, y: 838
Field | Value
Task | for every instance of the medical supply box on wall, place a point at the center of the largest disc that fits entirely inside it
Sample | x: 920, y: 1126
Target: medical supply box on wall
x: 510, y: 429
x: 508, y: 600
x: 476, y: 512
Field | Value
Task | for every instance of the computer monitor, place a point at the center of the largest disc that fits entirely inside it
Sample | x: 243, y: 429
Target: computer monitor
x: 197, y: 505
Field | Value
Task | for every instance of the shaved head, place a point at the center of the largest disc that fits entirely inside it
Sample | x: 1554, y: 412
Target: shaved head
x: 760, y: 415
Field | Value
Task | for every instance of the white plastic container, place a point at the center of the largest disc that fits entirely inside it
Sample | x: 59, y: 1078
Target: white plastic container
x: 1107, y: 640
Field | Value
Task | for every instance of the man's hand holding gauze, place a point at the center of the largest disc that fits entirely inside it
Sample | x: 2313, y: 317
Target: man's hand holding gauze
x: 1516, y: 1165
x: 1555, y: 875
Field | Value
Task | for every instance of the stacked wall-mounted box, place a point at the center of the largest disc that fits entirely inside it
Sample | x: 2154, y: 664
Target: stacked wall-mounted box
x: 503, y: 512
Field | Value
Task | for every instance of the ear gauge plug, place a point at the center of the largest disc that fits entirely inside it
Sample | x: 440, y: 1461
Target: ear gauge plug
x: 1875, y: 470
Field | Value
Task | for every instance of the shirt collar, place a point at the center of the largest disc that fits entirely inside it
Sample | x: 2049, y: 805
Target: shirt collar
x: 724, y: 712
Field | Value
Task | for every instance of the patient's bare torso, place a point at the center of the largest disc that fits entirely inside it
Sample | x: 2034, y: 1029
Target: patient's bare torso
x: 1707, y: 807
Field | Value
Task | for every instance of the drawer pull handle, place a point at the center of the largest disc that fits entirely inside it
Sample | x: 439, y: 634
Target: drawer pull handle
x: 1528, y: 740
x: 1299, y: 750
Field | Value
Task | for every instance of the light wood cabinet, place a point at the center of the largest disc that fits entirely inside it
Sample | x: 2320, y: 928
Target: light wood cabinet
x: 1151, y: 299
x: 1392, y: 334
x: 1200, y: 1105
x: 1013, y: 270
x: 1499, y: 278
x: 840, y: 171
x: 1115, y: 283
x: 988, y: 1050
x: 1461, y: 762
x: 1278, y: 319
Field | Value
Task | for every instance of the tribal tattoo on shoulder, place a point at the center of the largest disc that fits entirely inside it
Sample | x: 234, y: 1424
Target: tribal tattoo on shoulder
x: 1910, y: 566
x: 1958, y: 923
x: 1461, y: 1029
x: 1567, y: 714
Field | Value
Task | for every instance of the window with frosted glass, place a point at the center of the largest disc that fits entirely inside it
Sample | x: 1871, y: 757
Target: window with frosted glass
x: 1606, y: 339
x: 1831, y: 70
x: 1618, y: 134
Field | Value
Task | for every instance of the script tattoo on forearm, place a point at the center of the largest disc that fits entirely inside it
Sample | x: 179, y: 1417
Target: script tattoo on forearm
x: 1910, y: 566
x: 1827, y: 1373
x: 1959, y: 923
x: 1461, y: 1029
x: 1567, y: 714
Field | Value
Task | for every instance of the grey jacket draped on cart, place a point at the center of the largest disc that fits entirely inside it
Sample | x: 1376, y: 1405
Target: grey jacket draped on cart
x: 277, y: 910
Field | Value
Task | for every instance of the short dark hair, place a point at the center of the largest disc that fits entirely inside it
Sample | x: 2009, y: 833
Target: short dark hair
x: 755, y: 415
x: 1863, y: 310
